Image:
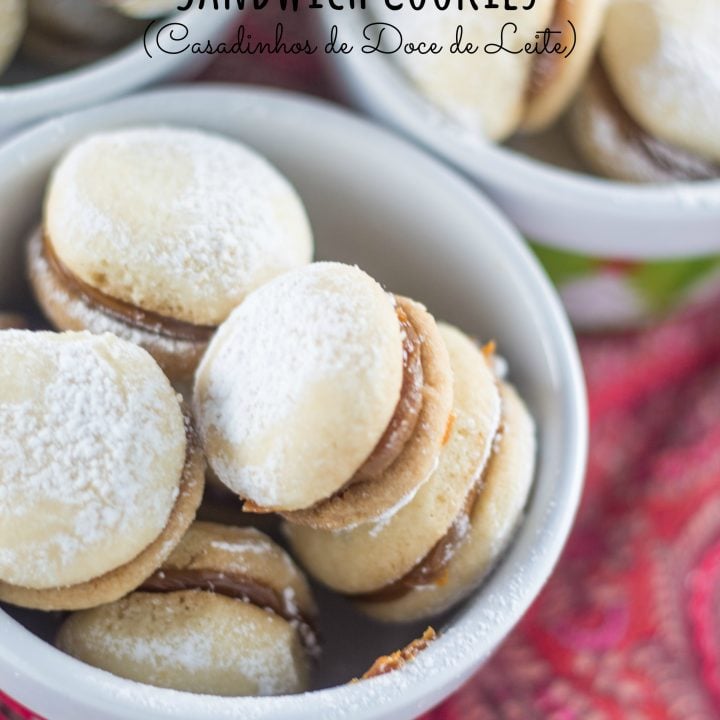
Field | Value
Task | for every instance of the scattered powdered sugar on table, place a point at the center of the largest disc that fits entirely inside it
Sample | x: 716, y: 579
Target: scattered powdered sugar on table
x: 78, y: 456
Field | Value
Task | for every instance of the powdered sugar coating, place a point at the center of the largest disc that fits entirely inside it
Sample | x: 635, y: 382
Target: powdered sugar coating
x: 299, y: 384
x: 92, y: 446
x: 663, y: 60
x: 190, y: 640
x: 178, y: 222
x: 483, y: 92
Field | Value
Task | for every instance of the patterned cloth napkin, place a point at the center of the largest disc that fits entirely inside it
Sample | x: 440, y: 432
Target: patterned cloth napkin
x: 628, y: 627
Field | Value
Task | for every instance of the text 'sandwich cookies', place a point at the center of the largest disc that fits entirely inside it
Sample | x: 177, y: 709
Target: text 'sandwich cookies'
x: 435, y: 550
x: 648, y: 112
x: 325, y: 398
x: 157, y: 234
x: 497, y: 92
x: 100, y: 472
x: 228, y: 614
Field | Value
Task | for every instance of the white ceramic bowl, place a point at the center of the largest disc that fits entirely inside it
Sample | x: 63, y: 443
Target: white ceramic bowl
x: 377, y: 201
x: 540, y: 184
x: 113, y: 76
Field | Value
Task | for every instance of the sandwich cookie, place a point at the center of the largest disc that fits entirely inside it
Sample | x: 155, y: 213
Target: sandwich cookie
x: 648, y: 112
x: 156, y: 234
x: 228, y: 614
x: 433, y: 552
x: 325, y: 398
x: 12, y: 25
x: 100, y: 473
x: 494, y: 92
x: 371, y: 556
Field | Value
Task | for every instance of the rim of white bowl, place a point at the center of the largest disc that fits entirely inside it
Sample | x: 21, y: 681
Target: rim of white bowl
x: 389, y: 94
x: 112, y: 76
x: 455, y: 655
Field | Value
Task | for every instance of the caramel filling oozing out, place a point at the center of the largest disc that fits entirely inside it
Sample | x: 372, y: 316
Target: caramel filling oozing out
x: 432, y: 569
x: 124, y: 312
x: 401, y: 425
x: 407, y: 411
x: 390, y: 663
x: 678, y: 163
x: 235, y: 586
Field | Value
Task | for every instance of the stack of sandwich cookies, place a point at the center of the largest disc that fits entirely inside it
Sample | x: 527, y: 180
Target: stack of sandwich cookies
x: 101, y: 473
x: 228, y: 614
x: 13, y: 17
x: 648, y: 112
x: 434, y: 551
x: 519, y: 91
x: 157, y: 234
x: 325, y: 398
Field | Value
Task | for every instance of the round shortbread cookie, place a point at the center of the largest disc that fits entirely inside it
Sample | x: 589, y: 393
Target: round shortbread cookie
x: 663, y: 61
x: 371, y: 556
x: 92, y: 449
x: 190, y: 637
x: 118, y: 583
x: 493, y: 520
x: 66, y: 310
x: 299, y: 384
x: 376, y: 499
x: 559, y: 77
x: 193, y: 641
x: 174, y: 221
x: 485, y: 93
x: 12, y: 25
x: 247, y: 552
x: 612, y: 144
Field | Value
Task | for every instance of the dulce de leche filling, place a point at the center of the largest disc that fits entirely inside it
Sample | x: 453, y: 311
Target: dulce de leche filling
x: 402, y: 424
x: 120, y: 310
x: 432, y: 569
x: 236, y: 587
x: 404, y: 419
x: 678, y: 163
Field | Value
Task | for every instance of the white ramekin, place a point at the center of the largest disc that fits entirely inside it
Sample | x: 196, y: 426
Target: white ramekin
x: 377, y: 201
x: 562, y: 208
x: 122, y: 72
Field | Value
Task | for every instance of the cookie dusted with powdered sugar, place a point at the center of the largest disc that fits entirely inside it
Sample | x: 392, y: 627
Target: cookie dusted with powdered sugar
x: 648, y: 112
x: 157, y: 234
x: 435, y: 550
x: 498, y: 89
x: 227, y: 614
x: 325, y: 398
x: 100, y: 473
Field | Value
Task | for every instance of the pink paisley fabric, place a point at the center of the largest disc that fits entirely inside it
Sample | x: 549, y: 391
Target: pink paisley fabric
x: 628, y: 628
